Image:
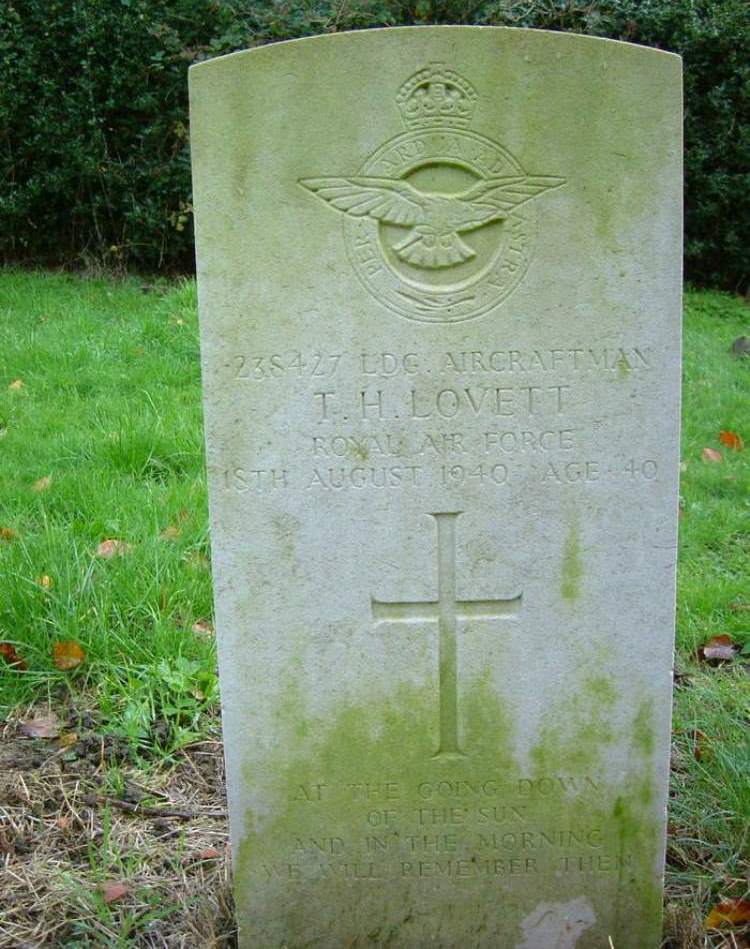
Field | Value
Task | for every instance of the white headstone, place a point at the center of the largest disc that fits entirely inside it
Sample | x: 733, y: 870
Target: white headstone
x: 439, y: 275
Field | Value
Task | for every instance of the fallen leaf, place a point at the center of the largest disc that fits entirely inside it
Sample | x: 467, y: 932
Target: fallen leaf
x: 710, y: 454
x: 728, y: 913
x: 738, y: 607
x: 67, y: 655
x: 44, y: 581
x: 718, y: 649
x: 203, y: 627
x: 16, y: 385
x: 46, y: 726
x: 68, y: 739
x: 9, y: 654
x: 209, y: 854
x: 42, y: 484
x: 114, y: 891
x: 731, y: 440
x: 171, y: 533
x: 7, y: 533
x: 113, y: 548
x: 63, y: 822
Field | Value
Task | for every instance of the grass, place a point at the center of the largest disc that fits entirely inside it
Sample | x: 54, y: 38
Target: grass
x: 108, y: 409
x: 709, y: 836
x: 99, y: 392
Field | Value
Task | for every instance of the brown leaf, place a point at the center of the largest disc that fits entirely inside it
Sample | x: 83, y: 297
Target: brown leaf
x: 737, y: 607
x: 711, y: 454
x: 203, y: 627
x: 46, y: 726
x: 718, y: 649
x: 7, y: 533
x: 44, y: 581
x: 114, y: 891
x: 728, y: 913
x: 16, y: 385
x: 113, y: 548
x: 731, y: 440
x: 42, y: 484
x: 67, y: 655
x: 63, y: 822
x: 67, y: 739
x: 171, y: 533
x: 9, y: 654
x: 209, y: 853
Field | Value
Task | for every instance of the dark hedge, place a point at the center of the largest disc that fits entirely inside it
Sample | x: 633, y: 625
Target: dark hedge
x: 94, y: 157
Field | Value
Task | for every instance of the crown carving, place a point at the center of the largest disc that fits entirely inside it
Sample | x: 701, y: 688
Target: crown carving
x: 436, y: 95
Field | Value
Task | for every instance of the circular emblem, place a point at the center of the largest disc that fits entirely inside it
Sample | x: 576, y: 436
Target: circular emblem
x: 439, y: 223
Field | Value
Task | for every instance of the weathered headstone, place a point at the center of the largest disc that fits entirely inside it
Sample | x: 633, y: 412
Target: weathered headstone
x: 439, y: 275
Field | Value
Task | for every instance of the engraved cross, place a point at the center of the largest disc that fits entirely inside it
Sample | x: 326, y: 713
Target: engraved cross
x: 447, y: 610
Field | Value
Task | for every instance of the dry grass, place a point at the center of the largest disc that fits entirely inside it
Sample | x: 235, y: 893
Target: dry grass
x: 62, y: 843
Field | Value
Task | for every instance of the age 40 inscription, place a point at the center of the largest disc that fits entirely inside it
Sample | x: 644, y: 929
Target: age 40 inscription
x: 277, y: 365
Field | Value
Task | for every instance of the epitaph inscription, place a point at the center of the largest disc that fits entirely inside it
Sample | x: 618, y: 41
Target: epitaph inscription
x: 439, y: 294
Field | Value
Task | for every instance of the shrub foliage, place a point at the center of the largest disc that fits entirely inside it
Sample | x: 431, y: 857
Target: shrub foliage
x: 94, y: 152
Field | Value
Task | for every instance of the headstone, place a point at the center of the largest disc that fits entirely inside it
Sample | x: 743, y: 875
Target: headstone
x: 439, y: 276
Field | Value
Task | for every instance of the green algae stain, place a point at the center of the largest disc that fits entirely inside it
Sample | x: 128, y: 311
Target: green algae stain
x: 623, y: 367
x: 572, y: 564
x: 577, y: 731
x: 359, y: 452
x: 601, y: 689
x: 364, y: 836
x: 643, y: 728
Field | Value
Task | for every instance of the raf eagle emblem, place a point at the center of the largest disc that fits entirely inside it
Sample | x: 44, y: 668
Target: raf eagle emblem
x: 435, y: 222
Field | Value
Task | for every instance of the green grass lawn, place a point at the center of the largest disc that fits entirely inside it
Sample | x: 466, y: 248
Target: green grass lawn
x: 100, y: 439
x: 108, y: 409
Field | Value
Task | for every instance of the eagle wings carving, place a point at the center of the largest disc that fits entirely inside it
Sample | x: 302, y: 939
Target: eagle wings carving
x: 434, y: 221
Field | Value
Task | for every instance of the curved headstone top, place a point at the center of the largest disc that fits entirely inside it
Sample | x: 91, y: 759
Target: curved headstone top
x: 439, y: 281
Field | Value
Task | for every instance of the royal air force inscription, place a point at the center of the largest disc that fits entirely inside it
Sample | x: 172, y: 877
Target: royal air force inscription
x: 401, y: 425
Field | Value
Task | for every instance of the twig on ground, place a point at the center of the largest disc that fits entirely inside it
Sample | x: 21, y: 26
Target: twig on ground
x: 182, y: 813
